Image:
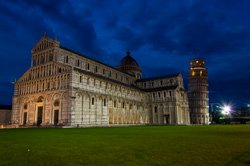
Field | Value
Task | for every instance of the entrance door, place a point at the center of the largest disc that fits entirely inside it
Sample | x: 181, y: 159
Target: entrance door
x: 39, y: 115
x: 24, y: 118
x: 56, y: 116
x: 167, y: 119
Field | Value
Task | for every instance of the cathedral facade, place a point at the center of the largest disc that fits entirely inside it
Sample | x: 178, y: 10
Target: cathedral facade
x: 63, y: 87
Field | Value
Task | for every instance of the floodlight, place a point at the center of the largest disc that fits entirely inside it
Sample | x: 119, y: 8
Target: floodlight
x: 226, y: 109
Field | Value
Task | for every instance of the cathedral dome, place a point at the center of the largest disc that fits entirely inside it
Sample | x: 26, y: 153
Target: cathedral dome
x: 129, y: 65
x: 128, y: 60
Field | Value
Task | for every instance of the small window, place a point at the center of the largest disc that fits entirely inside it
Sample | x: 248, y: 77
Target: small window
x: 200, y: 73
x: 159, y: 94
x: 123, y: 105
x: 164, y: 94
x: 170, y: 94
x: 103, y: 71
x: 161, y: 82
x: 96, y: 69
x: 193, y: 73
x: 144, y: 84
x: 48, y: 85
x: 67, y: 59
x: 104, y: 102
x: 78, y: 63
x: 59, y: 70
x: 80, y: 80
x: 88, y: 66
x: 42, y: 60
x: 93, y: 100
x: 115, y: 103
x: 51, y: 57
x: 34, y: 62
x: 110, y: 73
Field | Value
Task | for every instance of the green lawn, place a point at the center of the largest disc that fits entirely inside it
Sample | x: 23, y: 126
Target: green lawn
x: 147, y: 145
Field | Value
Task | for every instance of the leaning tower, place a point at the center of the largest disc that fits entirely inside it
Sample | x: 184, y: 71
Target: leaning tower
x: 198, y: 92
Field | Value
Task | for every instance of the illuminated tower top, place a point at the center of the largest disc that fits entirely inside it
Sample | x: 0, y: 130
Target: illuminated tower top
x: 197, y: 68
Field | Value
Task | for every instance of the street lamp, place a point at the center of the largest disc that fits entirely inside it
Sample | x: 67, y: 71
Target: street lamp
x: 226, y: 109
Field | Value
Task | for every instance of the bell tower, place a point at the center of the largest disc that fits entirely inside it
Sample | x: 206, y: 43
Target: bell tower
x: 198, y: 92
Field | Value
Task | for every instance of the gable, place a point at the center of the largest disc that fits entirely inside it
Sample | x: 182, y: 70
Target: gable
x: 44, y: 43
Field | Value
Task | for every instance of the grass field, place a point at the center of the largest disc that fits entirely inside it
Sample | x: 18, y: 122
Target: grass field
x: 147, y: 145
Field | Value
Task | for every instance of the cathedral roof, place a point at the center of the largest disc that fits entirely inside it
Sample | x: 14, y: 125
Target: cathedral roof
x: 161, y: 88
x: 158, y: 78
x: 85, y: 56
x: 128, y: 85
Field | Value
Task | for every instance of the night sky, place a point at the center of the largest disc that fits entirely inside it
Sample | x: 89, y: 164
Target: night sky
x: 161, y: 35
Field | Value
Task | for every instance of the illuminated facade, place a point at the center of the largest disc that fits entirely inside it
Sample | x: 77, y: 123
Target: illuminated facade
x: 66, y: 88
x: 198, y: 92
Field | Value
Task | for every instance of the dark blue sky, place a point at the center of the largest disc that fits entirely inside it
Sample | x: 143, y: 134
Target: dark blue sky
x: 162, y: 36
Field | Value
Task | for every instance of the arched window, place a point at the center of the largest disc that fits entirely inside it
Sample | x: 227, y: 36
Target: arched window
x: 25, y: 106
x: 156, y: 109
x: 56, y: 103
x: 40, y: 99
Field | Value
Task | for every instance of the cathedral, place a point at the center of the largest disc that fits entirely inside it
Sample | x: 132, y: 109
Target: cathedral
x: 66, y: 88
